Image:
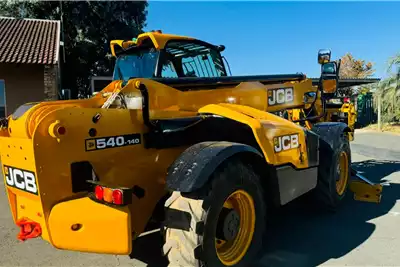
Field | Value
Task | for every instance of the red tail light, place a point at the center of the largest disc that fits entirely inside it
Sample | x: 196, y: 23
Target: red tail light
x: 99, y: 192
x: 118, y: 197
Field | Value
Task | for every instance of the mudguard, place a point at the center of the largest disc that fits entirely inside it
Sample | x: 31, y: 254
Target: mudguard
x: 194, y: 166
x: 330, y: 131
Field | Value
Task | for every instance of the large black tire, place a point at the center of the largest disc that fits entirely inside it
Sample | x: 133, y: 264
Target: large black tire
x: 196, y: 245
x: 326, y: 195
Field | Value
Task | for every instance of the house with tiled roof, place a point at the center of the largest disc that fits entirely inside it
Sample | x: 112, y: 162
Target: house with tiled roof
x: 29, y: 62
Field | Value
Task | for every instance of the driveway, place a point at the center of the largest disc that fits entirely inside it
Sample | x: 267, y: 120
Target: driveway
x: 360, y: 234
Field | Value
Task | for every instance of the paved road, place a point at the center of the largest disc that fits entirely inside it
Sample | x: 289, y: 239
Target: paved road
x: 361, y: 234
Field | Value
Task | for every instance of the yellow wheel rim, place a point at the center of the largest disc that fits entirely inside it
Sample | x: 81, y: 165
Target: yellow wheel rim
x: 232, y: 251
x: 343, y: 173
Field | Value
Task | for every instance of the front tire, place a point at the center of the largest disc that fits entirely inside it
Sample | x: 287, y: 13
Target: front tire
x: 334, y: 173
x: 225, y: 220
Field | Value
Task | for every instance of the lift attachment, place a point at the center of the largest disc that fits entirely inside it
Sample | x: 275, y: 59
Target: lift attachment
x: 364, y: 189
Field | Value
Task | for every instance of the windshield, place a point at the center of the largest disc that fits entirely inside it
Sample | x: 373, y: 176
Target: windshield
x: 141, y: 64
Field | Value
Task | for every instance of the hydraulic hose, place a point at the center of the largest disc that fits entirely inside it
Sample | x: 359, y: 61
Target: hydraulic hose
x: 319, y: 88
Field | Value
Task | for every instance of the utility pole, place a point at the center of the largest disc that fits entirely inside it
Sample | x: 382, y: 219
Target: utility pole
x: 62, y: 30
x: 379, y: 112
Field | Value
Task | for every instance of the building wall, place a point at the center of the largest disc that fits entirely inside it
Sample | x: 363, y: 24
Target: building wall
x: 28, y: 83
x: 50, y: 82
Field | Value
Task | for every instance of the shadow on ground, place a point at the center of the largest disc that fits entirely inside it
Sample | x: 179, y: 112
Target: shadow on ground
x: 300, y: 237
x: 148, y: 250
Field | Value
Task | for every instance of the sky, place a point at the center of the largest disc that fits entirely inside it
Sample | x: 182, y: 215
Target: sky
x: 284, y: 37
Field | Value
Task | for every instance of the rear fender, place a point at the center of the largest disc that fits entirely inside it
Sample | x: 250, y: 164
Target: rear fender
x: 192, y: 169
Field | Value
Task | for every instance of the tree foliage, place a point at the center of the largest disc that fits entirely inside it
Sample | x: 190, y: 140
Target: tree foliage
x: 88, y: 27
x: 389, y: 91
x: 352, y: 67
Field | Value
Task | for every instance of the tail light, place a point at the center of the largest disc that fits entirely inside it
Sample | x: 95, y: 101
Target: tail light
x: 107, y: 197
x: 99, y: 192
x: 116, y: 196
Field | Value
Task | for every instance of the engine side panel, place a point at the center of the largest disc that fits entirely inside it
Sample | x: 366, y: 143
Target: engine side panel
x: 281, y: 142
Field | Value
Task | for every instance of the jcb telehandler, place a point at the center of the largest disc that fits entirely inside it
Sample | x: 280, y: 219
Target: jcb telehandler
x: 173, y: 130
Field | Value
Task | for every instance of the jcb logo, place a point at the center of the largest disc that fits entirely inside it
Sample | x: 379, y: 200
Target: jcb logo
x: 286, y: 142
x: 280, y: 96
x: 21, y: 179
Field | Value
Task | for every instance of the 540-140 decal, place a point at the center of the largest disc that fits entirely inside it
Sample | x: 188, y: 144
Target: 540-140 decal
x: 112, y: 141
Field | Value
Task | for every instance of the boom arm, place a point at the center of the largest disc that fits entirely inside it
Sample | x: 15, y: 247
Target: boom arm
x: 348, y: 82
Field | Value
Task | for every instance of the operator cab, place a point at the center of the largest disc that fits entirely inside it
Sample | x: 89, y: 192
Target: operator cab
x: 178, y: 58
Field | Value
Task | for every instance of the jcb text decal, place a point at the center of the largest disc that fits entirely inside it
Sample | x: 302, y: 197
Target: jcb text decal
x: 279, y: 96
x: 112, y: 141
x: 21, y: 179
x: 286, y: 142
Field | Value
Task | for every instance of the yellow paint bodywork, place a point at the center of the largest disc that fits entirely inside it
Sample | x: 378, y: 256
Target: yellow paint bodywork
x: 366, y: 192
x: 349, y: 109
x: 158, y: 39
x: 49, y: 158
x: 33, y: 143
x: 265, y: 127
x: 102, y: 229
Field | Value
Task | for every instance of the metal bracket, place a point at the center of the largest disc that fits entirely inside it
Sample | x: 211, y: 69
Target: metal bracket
x: 364, y: 189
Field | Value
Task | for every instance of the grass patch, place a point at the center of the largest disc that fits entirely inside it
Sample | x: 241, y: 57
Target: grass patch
x: 386, y: 127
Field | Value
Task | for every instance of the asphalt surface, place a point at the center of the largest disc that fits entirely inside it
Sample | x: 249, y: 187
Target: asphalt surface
x: 360, y: 234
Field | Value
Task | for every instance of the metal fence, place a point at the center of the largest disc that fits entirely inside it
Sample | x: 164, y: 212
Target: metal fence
x: 376, y: 108
x: 366, y: 110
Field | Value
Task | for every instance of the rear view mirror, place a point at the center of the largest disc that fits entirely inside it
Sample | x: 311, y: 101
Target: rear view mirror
x: 329, y: 77
x: 329, y: 86
x: 328, y: 68
x: 324, y: 56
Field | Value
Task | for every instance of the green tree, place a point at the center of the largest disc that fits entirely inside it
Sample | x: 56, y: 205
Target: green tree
x: 351, y: 67
x: 88, y: 27
x: 389, y: 91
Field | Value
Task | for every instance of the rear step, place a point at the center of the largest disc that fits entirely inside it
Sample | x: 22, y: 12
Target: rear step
x: 364, y: 189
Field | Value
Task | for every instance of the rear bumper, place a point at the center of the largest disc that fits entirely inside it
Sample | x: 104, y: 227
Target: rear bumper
x: 84, y: 225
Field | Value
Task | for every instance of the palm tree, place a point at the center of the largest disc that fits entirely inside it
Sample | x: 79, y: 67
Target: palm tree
x: 389, y: 91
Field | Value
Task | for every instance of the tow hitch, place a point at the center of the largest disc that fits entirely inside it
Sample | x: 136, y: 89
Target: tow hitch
x: 28, y: 229
x: 364, y: 189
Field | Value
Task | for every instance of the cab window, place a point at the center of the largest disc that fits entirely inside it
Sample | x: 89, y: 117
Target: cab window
x: 191, y: 59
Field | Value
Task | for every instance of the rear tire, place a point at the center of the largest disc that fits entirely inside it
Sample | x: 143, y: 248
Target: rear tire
x: 200, y: 212
x: 334, y: 173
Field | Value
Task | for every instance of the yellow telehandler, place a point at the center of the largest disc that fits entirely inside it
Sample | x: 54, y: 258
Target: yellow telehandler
x: 175, y: 139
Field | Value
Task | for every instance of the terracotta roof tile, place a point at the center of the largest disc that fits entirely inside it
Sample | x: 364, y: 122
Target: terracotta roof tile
x: 30, y: 41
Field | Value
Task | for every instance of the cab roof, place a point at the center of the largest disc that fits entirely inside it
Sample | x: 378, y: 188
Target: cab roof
x: 157, y: 38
